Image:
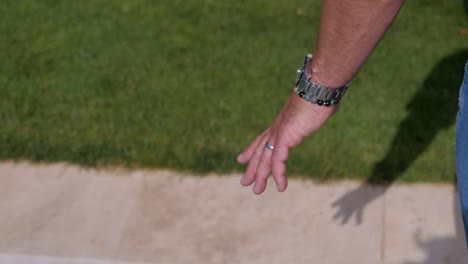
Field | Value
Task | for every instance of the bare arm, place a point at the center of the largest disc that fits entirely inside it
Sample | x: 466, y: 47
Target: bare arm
x: 349, y: 31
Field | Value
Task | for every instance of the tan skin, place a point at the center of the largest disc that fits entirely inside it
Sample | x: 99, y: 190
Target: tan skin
x: 349, y: 31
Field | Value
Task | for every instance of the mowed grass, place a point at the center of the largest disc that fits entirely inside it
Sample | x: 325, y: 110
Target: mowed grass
x: 188, y: 84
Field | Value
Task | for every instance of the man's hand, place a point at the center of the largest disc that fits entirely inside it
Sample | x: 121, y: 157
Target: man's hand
x: 297, y: 120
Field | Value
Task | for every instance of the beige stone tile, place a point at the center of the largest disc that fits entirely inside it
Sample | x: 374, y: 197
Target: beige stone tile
x: 423, y: 225
x: 74, y: 213
x: 64, y: 214
x: 26, y: 200
x: 25, y: 174
x: 31, y: 259
x: 133, y: 262
x: 215, y: 220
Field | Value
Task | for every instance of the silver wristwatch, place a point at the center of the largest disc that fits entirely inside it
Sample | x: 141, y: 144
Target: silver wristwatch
x: 314, y: 92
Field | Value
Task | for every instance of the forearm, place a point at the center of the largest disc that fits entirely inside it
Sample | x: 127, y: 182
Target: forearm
x: 349, y: 31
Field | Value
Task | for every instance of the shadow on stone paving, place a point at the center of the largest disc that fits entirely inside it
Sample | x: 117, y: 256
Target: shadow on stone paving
x: 424, y: 121
x: 450, y: 250
x: 439, y: 90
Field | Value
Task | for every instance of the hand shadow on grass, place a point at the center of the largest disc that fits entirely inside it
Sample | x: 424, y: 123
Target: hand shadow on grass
x: 432, y: 109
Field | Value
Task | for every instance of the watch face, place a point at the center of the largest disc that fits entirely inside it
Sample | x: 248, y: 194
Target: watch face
x: 299, y: 74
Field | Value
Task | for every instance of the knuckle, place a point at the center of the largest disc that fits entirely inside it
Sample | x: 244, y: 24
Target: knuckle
x: 278, y: 159
x: 250, y: 172
x: 265, y: 160
x: 258, y: 151
x: 263, y: 172
x: 261, y: 180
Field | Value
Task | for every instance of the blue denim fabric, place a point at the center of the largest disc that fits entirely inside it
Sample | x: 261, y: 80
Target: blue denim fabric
x: 462, y: 150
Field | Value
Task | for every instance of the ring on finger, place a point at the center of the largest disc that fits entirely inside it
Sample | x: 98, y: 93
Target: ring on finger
x: 269, y: 146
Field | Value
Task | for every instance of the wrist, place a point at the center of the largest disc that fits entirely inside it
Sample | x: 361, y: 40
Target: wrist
x: 326, y: 74
x: 315, y: 108
x: 314, y: 92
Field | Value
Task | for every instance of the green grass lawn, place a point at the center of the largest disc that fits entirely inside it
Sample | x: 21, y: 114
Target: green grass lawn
x: 188, y: 84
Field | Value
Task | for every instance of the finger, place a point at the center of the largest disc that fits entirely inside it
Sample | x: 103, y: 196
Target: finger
x: 338, y: 214
x: 279, y: 157
x: 359, y: 216
x: 263, y: 168
x: 346, y: 217
x: 251, y: 171
x: 245, y: 156
x: 337, y: 203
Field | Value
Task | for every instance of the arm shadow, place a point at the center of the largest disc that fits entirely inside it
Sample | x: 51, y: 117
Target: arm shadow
x: 432, y: 109
x: 465, y: 4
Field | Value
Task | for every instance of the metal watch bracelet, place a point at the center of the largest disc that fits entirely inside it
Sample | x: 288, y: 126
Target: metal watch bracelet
x: 314, y: 92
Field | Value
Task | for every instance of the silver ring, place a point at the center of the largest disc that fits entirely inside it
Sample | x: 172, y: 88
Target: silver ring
x: 269, y: 146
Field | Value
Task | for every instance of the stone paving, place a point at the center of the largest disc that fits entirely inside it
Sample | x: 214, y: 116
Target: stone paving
x: 62, y: 213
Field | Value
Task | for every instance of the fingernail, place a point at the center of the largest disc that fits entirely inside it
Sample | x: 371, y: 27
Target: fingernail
x: 253, y: 188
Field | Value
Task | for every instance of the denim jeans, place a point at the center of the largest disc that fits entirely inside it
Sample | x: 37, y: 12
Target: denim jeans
x: 461, y: 147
